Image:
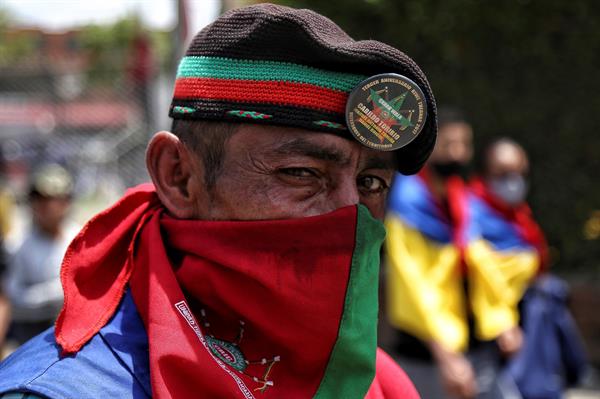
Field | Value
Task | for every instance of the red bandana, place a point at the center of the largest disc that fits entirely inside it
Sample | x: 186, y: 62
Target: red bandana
x: 283, y: 308
x: 455, y: 208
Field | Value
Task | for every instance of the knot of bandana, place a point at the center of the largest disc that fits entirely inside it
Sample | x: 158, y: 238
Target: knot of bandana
x: 97, y: 267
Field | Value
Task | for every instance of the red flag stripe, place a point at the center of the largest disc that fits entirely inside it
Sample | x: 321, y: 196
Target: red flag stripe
x: 255, y: 91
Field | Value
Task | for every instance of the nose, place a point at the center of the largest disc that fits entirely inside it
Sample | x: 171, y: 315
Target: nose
x: 344, y: 193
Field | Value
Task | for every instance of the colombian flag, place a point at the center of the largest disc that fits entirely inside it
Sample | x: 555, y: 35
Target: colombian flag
x: 434, y: 249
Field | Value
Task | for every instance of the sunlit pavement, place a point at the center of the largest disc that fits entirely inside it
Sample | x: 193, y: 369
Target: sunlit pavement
x: 582, y: 394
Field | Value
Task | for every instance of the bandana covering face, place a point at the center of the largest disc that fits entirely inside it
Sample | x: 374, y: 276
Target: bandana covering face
x: 283, y: 308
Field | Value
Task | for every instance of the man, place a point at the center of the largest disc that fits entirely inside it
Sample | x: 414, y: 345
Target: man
x: 442, y: 278
x: 551, y: 345
x: 32, y: 282
x: 505, y: 219
x: 6, y: 211
x: 4, y: 302
x: 249, y: 269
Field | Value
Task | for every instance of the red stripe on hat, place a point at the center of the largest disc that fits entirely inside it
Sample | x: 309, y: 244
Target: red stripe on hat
x: 255, y: 91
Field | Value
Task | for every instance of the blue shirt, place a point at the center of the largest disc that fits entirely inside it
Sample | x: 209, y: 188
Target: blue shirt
x: 113, y: 364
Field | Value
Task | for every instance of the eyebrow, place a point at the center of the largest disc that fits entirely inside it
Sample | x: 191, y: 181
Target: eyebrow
x: 304, y: 147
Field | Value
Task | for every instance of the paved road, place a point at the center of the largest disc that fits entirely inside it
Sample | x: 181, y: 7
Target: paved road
x: 582, y: 394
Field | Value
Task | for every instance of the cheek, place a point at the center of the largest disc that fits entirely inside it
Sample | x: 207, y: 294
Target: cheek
x: 282, y: 203
x: 255, y: 197
x: 376, y: 205
x: 58, y: 209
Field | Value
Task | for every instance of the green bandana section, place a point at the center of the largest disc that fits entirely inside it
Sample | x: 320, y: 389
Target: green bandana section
x: 262, y: 70
x: 351, y: 368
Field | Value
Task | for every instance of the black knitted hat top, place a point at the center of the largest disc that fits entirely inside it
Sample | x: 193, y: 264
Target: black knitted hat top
x: 282, y: 66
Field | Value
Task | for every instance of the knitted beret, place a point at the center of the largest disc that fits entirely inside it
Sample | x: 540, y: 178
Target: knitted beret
x: 277, y: 65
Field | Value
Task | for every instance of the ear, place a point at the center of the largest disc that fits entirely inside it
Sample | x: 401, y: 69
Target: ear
x: 174, y: 172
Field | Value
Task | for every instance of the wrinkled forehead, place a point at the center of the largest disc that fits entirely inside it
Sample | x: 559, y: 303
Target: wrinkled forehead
x: 285, y: 143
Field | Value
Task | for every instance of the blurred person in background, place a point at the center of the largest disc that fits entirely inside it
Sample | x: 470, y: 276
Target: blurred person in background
x: 552, y: 355
x: 32, y: 281
x: 440, y: 277
x: 4, y: 302
x: 501, y: 186
x: 6, y: 211
x: 7, y: 203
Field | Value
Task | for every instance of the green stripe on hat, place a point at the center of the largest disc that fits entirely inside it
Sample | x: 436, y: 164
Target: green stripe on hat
x: 351, y: 367
x: 229, y: 68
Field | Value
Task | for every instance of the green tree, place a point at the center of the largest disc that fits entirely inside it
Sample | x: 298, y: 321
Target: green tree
x: 109, y: 46
x: 13, y: 48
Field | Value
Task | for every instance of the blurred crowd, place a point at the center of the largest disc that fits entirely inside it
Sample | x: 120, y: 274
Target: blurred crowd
x: 471, y: 309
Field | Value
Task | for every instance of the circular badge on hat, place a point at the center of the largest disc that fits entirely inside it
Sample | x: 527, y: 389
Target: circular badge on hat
x: 386, y: 112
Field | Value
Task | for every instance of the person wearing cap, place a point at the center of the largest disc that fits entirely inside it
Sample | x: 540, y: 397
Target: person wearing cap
x: 249, y: 268
x: 32, y: 281
x: 451, y: 295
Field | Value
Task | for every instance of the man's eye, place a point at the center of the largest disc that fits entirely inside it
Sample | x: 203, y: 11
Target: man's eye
x: 372, y: 184
x: 298, y: 172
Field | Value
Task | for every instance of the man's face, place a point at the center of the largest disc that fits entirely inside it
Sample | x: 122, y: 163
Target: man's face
x: 273, y: 172
x: 49, y: 212
x: 506, y: 172
x: 454, y: 144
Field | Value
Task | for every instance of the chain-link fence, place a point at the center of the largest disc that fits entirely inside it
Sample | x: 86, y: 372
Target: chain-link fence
x: 56, y: 106
x: 87, y: 99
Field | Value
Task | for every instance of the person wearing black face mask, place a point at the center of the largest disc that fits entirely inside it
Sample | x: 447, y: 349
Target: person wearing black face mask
x: 437, y: 297
x: 453, y: 150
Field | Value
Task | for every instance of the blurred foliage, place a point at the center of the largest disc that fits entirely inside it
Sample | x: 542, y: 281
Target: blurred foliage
x: 110, y: 46
x: 14, y: 48
x: 523, y: 69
